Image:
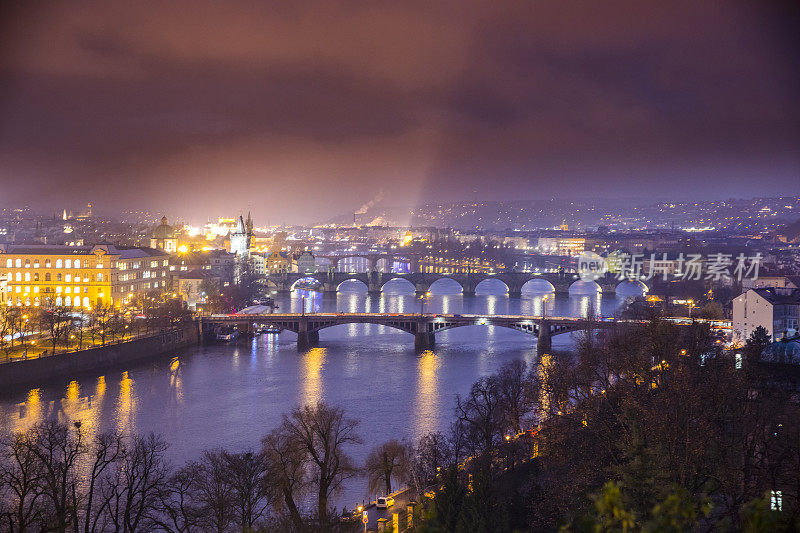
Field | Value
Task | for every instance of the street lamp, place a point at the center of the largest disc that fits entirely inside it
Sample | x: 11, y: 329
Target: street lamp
x: 544, y: 305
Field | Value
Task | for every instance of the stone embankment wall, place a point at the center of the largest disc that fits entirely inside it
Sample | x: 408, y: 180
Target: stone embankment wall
x: 33, y: 371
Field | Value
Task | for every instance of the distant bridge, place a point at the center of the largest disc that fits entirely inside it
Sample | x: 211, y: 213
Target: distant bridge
x: 422, y: 326
x: 559, y: 282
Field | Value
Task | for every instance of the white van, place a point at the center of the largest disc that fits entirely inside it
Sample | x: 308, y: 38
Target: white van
x: 384, y: 502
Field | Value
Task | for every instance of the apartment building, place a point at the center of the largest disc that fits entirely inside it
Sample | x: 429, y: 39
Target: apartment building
x: 80, y: 276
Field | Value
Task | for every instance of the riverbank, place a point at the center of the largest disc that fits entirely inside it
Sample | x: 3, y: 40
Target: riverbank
x: 33, y: 371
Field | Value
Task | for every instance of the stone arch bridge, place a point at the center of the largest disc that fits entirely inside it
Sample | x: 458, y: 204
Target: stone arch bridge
x: 375, y: 281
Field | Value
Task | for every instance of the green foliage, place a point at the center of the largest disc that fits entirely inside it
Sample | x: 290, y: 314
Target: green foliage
x: 483, y: 511
x: 611, y: 514
x: 756, y: 344
x: 640, y: 473
x: 757, y: 516
x: 676, y: 514
x: 448, y: 502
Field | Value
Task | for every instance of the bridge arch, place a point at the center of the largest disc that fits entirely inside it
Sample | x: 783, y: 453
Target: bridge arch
x: 444, y: 281
x: 584, y: 287
x: 399, y: 285
x: 271, y: 285
x: 490, y: 282
x: 632, y: 288
x: 311, y: 280
x: 537, y: 285
x: 353, y: 282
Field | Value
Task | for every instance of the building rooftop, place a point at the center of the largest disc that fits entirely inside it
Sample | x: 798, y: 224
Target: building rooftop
x: 124, y: 252
x: 779, y: 296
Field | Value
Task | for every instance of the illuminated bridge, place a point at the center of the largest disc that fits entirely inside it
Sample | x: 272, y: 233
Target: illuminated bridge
x: 423, y: 326
x: 559, y: 282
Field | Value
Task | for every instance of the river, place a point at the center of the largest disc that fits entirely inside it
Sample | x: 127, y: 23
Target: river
x: 230, y: 395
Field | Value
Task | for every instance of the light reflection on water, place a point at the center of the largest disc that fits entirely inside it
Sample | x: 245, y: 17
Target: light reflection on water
x: 232, y: 394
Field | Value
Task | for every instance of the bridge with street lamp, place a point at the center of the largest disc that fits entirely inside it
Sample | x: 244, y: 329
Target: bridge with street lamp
x: 423, y: 326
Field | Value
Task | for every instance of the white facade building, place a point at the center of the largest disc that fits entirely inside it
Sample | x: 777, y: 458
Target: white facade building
x: 776, y: 310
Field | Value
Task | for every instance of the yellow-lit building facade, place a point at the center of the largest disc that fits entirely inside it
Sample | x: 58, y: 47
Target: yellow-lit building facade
x: 80, y: 277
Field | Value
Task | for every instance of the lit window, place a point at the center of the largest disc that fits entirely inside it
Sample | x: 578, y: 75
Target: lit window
x: 776, y: 500
x: 68, y: 278
x: 99, y: 264
x: 68, y: 290
x: 36, y: 289
x: 36, y: 277
x: 36, y: 263
x: 68, y: 263
x: 68, y: 301
x: 18, y: 262
x: 59, y: 263
x: 19, y: 276
x: 27, y: 263
x: 9, y: 263
x: 77, y: 301
x: 59, y: 301
x: 27, y: 276
x: 77, y: 263
x: 58, y: 290
x: 47, y: 263
x: 85, y: 301
x: 100, y: 277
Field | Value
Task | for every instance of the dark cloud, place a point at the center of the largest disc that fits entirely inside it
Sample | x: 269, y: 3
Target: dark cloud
x: 311, y: 108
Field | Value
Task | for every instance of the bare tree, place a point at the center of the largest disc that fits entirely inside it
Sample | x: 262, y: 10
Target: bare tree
x: 176, y: 510
x: 58, y: 449
x: 245, y: 474
x: 7, y: 322
x: 21, y: 477
x: 385, y: 461
x: 56, y: 321
x: 132, y: 493
x: 481, y: 417
x: 514, y: 391
x: 212, y: 493
x: 432, y: 455
x: 288, y: 474
x: 107, y: 449
x: 323, y: 432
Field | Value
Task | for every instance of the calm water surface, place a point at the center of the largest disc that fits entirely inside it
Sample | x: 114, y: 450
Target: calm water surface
x: 231, y: 395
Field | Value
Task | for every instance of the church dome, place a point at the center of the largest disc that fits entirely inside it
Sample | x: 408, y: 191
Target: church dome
x: 785, y: 351
x: 164, y: 230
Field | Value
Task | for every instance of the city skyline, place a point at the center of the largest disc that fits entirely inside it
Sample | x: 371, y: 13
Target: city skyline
x: 312, y: 110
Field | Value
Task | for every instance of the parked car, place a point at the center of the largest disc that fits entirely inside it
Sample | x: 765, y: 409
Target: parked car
x: 384, y: 502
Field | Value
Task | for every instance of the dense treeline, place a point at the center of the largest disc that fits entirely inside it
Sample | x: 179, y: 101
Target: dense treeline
x: 653, y: 429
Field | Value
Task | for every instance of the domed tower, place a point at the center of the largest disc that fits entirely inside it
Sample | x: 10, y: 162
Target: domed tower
x: 163, y: 238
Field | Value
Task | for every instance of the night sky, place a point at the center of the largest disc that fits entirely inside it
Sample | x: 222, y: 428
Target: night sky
x: 300, y: 110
